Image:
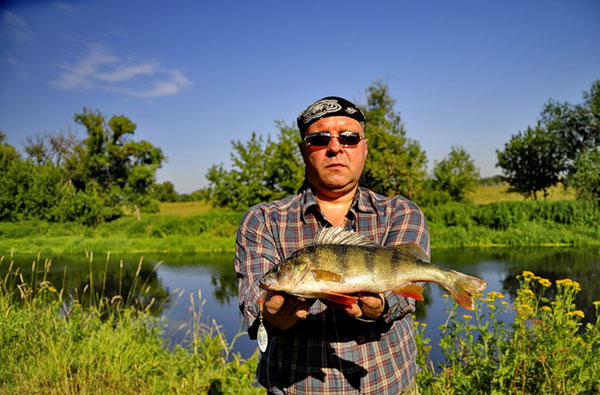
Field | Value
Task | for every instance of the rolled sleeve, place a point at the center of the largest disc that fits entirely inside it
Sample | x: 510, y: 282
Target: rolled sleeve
x: 255, y: 255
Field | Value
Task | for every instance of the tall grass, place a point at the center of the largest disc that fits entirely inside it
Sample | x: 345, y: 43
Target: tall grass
x: 89, y: 343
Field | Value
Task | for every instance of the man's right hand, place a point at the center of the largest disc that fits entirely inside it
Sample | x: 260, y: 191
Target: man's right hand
x: 282, y: 310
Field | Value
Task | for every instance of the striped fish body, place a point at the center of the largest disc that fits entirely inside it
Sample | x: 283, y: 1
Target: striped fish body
x: 341, y: 262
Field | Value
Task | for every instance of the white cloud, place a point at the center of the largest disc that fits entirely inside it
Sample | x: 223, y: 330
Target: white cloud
x: 15, y: 27
x: 100, y: 69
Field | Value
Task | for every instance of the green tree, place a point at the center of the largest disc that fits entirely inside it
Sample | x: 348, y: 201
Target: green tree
x: 165, y: 192
x: 395, y: 164
x: 456, y: 174
x: 246, y: 183
x: 585, y: 176
x: 261, y: 170
x: 532, y: 161
x: 123, y: 169
x: 577, y: 126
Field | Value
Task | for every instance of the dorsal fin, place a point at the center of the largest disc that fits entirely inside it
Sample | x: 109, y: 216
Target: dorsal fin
x: 413, y: 250
x: 337, y: 235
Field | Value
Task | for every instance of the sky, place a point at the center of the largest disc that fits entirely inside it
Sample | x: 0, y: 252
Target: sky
x: 195, y: 75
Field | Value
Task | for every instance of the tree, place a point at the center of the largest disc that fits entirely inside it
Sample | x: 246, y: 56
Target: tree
x: 532, y: 161
x: 456, y: 174
x: 395, y: 164
x: 165, y: 192
x: 261, y: 170
x: 577, y: 126
x: 123, y: 169
x: 585, y: 176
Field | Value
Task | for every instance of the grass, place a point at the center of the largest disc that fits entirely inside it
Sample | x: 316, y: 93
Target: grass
x: 88, y: 343
x: 196, y: 227
x: 485, y: 194
x: 185, y: 208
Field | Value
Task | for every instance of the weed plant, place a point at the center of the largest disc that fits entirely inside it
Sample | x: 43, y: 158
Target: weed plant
x: 545, y: 350
x: 88, y: 343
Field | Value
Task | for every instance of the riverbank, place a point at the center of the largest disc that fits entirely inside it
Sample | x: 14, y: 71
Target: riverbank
x: 514, y: 223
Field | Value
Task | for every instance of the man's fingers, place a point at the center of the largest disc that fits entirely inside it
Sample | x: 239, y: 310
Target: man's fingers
x: 372, y: 301
x: 273, y: 305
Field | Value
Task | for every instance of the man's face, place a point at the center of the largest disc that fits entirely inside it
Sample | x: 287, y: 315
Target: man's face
x: 334, y: 170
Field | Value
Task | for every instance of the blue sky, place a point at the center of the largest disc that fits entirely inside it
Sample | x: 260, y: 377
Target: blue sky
x: 195, y: 75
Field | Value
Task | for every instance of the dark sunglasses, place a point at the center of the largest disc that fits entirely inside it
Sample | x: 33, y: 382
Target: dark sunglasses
x: 322, y: 139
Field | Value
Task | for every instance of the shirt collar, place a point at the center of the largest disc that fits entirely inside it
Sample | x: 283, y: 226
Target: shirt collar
x: 361, y: 203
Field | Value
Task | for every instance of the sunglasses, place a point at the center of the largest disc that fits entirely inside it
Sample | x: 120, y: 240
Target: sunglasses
x: 322, y: 139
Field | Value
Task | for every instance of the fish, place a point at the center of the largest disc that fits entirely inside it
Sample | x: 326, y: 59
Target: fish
x: 341, y: 263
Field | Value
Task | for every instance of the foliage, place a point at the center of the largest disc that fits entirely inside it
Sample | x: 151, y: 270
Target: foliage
x: 532, y: 161
x: 261, y: 171
x: 544, y: 350
x: 493, y: 180
x: 585, y: 176
x: 456, y: 174
x: 395, y: 164
x: 542, y: 156
x: 56, y: 343
x: 165, y: 192
x: 67, y: 180
x: 577, y: 126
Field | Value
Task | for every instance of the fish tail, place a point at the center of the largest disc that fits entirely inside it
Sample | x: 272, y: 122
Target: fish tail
x: 464, y: 288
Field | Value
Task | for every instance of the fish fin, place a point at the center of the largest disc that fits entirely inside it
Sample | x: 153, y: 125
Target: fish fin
x: 325, y: 275
x: 465, y: 288
x: 343, y: 299
x: 413, y: 250
x: 337, y: 235
x: 414, y: 291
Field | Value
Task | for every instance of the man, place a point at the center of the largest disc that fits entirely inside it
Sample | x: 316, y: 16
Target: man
x: 368, y: 347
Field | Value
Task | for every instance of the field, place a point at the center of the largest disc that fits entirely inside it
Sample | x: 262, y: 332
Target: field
x: 498, y: 193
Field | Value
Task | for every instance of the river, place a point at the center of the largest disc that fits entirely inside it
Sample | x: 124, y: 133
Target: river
x: 171, y: 283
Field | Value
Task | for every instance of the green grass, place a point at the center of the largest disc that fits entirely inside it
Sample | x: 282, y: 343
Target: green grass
x: 52, y: 344
x: 502, y: 223
x: 485, y: 194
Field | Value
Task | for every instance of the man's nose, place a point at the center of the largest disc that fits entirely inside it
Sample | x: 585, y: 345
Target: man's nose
x: 334, y: 145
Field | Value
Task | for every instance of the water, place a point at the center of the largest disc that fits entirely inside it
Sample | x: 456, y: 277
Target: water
x: 213, y: 276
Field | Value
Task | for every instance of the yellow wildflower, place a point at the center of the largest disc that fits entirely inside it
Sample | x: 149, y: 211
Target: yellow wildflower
x: 424, y: 325
x: 547, y: 308
x: 544, y: 282
x: 487, y: 299
x: 597, y: 303
x: 446, y: 296
x: 528, y: 292
x: 467, y: 317
x: 504, y: 303
x: 579, y: 313
x: 527, y: 275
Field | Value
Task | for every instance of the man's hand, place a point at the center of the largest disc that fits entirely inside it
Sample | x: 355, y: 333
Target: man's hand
x: 283, y: 311
x: 370, y: 306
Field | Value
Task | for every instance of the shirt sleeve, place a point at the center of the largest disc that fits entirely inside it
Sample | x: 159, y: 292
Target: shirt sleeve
x: 408, y: 225
x: 255, y: 254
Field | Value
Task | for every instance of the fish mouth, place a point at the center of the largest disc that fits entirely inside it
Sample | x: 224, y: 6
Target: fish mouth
x: 264, y: 286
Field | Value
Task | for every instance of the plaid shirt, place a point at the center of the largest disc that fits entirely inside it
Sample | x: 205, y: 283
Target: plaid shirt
x: 329, y: 351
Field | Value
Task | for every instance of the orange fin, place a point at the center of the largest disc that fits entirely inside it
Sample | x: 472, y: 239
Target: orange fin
x: 343, y: 299
x: 410, y: 291
x: 325, y: 275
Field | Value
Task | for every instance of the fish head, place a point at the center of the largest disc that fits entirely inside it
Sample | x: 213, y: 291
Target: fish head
x: 285, y: 276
